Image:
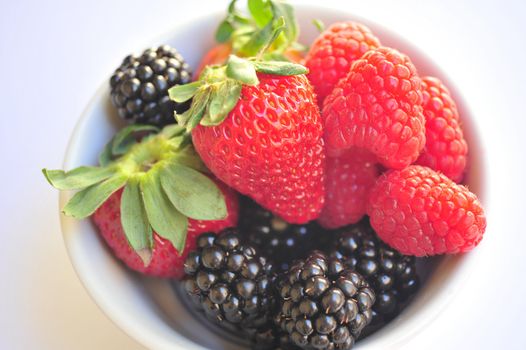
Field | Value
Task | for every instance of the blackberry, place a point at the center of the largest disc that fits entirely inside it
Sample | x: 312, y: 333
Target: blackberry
x: 139, y: 87
x: 323, y: 304
x: 392, y: 275
x: 230, y: 282
x: 281, y: 242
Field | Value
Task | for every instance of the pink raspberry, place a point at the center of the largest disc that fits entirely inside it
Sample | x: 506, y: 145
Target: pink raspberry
x: 378, y: 106
x: 421, y: 212
x: 332, y: 53
x: 349, y: 178
x: 445, y: 149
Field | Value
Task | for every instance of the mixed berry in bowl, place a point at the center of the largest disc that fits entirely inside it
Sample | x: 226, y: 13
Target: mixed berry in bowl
x: 289, y: 191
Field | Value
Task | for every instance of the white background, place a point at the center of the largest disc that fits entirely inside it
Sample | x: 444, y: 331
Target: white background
x: 55, y: 54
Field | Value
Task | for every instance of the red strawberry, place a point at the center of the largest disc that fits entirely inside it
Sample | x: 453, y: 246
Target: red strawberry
x: 421, y: 212
x: 445, y: 149
x: 270, y: 147
x: 149, y: 199
x: 332, y: 53
x: 256, y: 124
x: 349, y: 178
x: 166, y: 261
x: 378, y: 106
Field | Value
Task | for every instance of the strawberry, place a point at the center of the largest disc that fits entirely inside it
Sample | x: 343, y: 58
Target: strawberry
x: 349, y: 178
x: 270, y: 147
x: 263, y: 137
x: 166, y: 261
x: 256, y: 124
x: 149, y: 199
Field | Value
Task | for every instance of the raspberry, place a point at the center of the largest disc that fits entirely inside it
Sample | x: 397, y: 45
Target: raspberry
x: 348, y: 181
x: 378, y: 106
x: 332, y: 53
x: 445, y: 148
x: 421, y: 212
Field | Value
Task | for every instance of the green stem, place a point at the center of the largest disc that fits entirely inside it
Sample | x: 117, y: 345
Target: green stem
x: 279, y: 26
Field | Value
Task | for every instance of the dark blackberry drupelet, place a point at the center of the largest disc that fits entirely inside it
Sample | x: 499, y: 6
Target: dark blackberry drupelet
x: 139, y: 87
x: 230, y: 282
x: 323, y: 304
x: 271, y: 337
x: 392, y: 275
x: 278, y: 240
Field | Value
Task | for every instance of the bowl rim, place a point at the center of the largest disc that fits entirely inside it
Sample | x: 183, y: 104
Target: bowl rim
x: 452, y: 284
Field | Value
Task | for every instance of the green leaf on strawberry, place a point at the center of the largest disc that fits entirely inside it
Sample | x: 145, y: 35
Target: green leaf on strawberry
x: 77, y: 178
x: 320, y: 26
x: 193, y: 193
x: 279, y: 68
x: 86, y: 201
x: 135, y: 221
x: 122, y: 141
x: 165, y: 219
x: 222, y: 101
x: 163, y: 179
x: 224, y: 31
x: 286, y: 11
x: 260, y: 38
x: 185, y: 92
x: 194, y: 114
x: 220, y: 88
x: 260, y: 11
x: 241, y: 70
x: 247, y: 34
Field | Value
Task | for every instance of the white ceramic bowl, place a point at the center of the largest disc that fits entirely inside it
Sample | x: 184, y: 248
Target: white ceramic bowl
x: 147, y: 308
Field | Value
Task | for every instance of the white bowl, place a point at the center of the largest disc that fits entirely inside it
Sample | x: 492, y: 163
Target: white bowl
x: 147, y: 308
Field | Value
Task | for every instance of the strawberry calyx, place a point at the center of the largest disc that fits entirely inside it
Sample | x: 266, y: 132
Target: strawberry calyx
x: 246, y: 33
x: 164, y: 185
x: 216, y: 93
x: 218, y: 89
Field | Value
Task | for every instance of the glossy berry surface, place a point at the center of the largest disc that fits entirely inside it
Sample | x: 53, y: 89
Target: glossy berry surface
x: 348, y: 180
x: 270, y: 337
x: 279, y: 241
x: 421, y: 212
x: 166, y: 261
x: 332, y: 53
x: 446, y: 149
x: 378, y: 106
x: 270, y: 147
x: 323, y: 304
x: 229, y: 281
x: 139, y: 87
x: 391, y: 275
